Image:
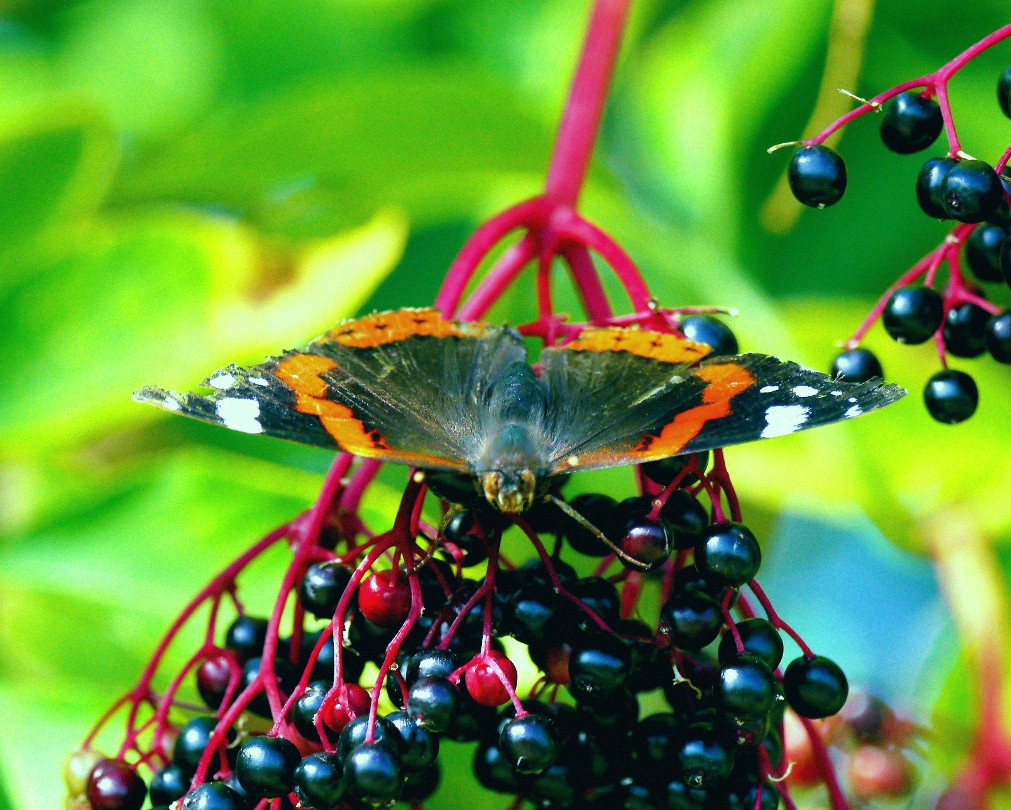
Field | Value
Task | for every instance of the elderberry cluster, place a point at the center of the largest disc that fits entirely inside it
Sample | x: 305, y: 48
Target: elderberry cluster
x: 349, y: 739
x: 959, y: 317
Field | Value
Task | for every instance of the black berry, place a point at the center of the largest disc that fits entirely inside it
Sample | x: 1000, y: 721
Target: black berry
x: 599, y: 663
x: 431, y: 703
x: 728, y: 555
x: 913, y: 314
x: 265, y: 766
x: 965, y: 330
x: 746, y: 688
x: 529, y: 743
x: 322, y: 587
x: 711, y: 331
x: 372, y: 773
x: 815, y: 687
x: 983, y: 251
x: 214, y: 796
x: 998, y: 337
x: 971, y: 191
x: 1004, y: 91
x: 169, y: 784
x: 911, y: 123
x: 856, y: 366
x: 648, y: 542
x: 951, y: 396
x: 928, y: 186
x: 691, y: 620
x: 817, y: 176
x: 319, y: 781
x: 703, y: 757
x: 759, y: 639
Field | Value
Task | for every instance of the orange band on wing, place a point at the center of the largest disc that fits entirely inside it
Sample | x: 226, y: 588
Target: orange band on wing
x: 726, y: 380
x: 301, y: 373
x: 640, y: 342
x: 389, y: 327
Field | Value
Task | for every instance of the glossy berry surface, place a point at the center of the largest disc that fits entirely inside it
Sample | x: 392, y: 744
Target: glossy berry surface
x: 599, y: 663
x: 759, y: 638
x: 431, y: 703
x: 265, y: 766
x: 728, y: 554
x: 385, y: 598
x: 114, y: 785
x: 998, y: 337
x: 856, y: 366
x: 648, y: 542
x: 192, y: 741
x: 983, y: 251
x: 322, y: 587
x: 711, y: 331
x: 372, y: 773
x: 419, y: 747
x: 214, y: 676
x: 971, y: 191
x: 910, y: 123
x: 214, y: 796
x: 246, y: 635
x: 357, y: 730
x: 912, y: 314
x: 168, y: 784
x: 464, y: 530
x: 485, y: 685
x: 1004, y: 91
x: 815, y: 687
x: 319, y: 781
x: 529, y: 743
x: 746, y: 688
x: 951, y: 396
x: 598, y: 510
x: 965, y: 330
x: 817, y: 176
x: 928, y: 186
x: 691, y: 620
x: 703, y: 758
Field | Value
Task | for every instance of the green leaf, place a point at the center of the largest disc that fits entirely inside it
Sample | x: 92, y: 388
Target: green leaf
x: 423, y: 139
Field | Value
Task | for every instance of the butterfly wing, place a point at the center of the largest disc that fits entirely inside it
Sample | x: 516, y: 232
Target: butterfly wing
x: 664, y: 407
x: 402, y: 386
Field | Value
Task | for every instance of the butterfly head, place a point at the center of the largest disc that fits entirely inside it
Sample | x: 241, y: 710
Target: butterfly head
x: 509, y: 491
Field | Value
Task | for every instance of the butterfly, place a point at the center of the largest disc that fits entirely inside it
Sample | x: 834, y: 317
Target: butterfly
x: 411, y: 387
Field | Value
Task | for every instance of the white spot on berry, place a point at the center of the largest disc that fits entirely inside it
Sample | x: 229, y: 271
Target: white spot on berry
x: 239, y: 414
x: 259, y: 381
x: 854, y: 410
x: 783, y: 419
x: 768, y: 389
x: 804, y: 391
x: 222, y: 381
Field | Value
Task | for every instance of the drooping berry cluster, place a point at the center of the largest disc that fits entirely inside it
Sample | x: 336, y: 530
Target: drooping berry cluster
x: 953, y: 186
x: 398, y: 641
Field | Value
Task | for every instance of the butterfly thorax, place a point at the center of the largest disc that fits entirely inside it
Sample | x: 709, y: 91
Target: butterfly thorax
x: 511, y: 462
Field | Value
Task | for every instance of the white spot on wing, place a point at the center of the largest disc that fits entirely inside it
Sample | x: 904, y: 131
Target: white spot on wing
x: 222, y: 381
x: 239, y: 414
x: 852, y: 399
x: 258, y: 381
x: 836, y: 393
x: 783, y: 419
x: 768, y: 389
x: 804, y: 391
x: 171, y: 403
x: 854, y: 410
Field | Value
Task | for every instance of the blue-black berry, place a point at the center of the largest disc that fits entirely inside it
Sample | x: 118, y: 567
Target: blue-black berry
x: 928, y: 186
x: 951, y: 396
x: 817, y: 176
x: 971, y: 191
x: 911, y: 123
x: 856, y: 366
x: 913, y: 314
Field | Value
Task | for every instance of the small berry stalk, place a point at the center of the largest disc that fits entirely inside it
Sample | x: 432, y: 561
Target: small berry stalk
x: 383, y: 640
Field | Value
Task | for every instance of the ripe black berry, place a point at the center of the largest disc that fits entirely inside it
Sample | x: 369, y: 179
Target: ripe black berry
x: 304, y: 711
x: 168, y: 784
x: 1004, y: 91
x: 322, y: 587
x: 214, y: 796
x: 1005, y: 260
x: 746, y: 688
x: 998, y: 337
x: 192, y: 741
x: 759, y: 639
x: 817, y: 176
x: 529, y: 743
x: 856, y: 366
x: 951, y: 396
x: 246, y: 635
x: 913, y: 314
x: 114, y: 785
x: 420, y: 785
x: 599, y: 663
x: 319, y: 781
x: 928, y: 186
x: 911, y: 123
x: 431, y: 703
x: 965, y: 330
x: 703, y: 758
x: 691, y: 620
x: 663, y: 471
x: 648, y: 542
x: 600, y: 511
x: 372, y: 773
x: 728, y: 555
x: 493, y: 770
x: 357, y: 730
x: 815, y: 687
x: 266, y: 766
x: 711, y: 331
x: 983, y: 251
x: 465, y: 532
x: 419, y: 746
x: 971, y: 191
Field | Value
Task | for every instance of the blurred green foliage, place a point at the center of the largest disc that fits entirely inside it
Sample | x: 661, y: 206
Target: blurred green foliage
x: 187, y: 184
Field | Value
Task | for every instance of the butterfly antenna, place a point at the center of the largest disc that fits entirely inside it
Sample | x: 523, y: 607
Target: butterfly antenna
x: 572, y: 513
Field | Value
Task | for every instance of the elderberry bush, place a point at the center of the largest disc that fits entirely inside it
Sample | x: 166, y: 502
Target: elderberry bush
x: 950, y: 186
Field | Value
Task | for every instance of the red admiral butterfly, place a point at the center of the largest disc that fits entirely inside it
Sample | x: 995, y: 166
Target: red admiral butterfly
x: 412, y: 388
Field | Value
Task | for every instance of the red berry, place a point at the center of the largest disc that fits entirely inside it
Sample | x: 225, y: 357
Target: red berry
x: 345, y: 705
x: 114, y: 785
x: 385, y: 598
x: 484, y: 683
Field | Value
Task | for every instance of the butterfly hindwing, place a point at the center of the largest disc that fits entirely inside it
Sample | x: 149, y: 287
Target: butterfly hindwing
x: 403, y: 386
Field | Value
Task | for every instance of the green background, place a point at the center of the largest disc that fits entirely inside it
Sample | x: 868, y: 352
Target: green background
x: 183, y: 185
